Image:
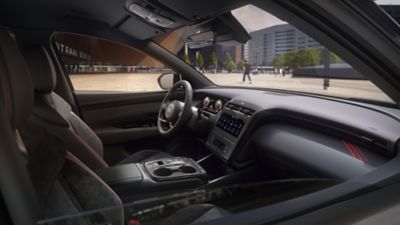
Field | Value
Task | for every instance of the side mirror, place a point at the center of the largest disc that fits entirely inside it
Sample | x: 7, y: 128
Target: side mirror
x: 167, y: 80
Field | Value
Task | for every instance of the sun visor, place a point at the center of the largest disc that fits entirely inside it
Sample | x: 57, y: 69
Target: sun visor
x: 200, y: 10
x: 139, y: 29
x: 224, y: 28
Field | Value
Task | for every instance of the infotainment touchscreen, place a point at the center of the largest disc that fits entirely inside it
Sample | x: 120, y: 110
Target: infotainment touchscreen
x: 230, y: 124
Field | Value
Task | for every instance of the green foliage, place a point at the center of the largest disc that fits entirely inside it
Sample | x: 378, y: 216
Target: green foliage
x: 290, y: 60
x: 302, y: 58
x: 229, y: 64
x: 200, y: 60
x: 214, y: 60
x: 240, y: 64
x: 307, y: 57
x: 186, y: 59
x: 335, y: 58
x: 279, y: 61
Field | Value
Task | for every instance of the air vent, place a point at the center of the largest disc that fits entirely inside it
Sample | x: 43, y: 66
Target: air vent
x: 234, y: 107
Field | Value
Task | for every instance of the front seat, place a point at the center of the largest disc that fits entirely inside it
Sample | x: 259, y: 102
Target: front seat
x: 65, y: 187
x: 58, y: 117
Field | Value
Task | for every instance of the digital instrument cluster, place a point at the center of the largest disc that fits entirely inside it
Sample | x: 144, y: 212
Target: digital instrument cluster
x: 212, y: 105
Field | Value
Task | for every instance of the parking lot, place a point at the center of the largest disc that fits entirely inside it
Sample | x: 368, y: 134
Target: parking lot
x: 138, y: 82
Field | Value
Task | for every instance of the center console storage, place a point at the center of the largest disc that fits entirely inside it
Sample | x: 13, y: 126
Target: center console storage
x: 165, y: 174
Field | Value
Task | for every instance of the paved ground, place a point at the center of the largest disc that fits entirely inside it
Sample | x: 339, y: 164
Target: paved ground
x: 148, y: 82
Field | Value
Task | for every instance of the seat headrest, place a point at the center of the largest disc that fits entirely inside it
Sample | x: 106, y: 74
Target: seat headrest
x: 42, y: 69
x: 16, y: 83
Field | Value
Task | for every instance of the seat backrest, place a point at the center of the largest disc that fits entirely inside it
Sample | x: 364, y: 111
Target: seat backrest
x: 62, y: 183
x: 56, y: 114
x: 15, y: 184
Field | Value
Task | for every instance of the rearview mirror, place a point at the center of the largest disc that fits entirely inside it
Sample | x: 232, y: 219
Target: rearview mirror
x: 167, y: 80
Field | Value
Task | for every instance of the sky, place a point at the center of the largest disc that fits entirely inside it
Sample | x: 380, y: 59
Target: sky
x: 253, y: 18
x: 388, y: 2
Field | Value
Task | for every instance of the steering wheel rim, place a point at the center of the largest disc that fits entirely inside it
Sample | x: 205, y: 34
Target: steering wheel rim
x: 173, y: 114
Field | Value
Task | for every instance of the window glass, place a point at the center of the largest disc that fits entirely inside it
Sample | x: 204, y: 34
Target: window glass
x: 278, y: 56
x: 99, y: 65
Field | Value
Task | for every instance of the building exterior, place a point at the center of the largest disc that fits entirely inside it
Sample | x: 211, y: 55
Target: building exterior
x: 265, y: 44
x: 234, y: 49
x: 246, y: 51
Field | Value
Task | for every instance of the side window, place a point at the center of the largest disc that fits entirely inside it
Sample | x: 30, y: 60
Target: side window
x: 95, y: 64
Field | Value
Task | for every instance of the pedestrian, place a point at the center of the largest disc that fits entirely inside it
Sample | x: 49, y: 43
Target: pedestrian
x: 246, y: 72
x: 283, y: 73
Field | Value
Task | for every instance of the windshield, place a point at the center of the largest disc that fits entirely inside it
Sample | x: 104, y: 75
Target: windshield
x: 278, y: 56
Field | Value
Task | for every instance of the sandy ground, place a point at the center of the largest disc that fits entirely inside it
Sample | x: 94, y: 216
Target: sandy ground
x: 148, y: 82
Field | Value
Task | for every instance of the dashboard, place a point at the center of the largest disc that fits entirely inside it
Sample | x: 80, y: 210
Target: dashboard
x: 244, y: 120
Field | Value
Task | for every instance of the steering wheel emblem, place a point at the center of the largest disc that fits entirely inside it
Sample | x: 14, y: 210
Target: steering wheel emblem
x: 169, y: 112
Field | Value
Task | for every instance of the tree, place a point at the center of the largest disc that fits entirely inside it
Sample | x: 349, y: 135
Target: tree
x: 240, y: 64
x: 333, y: 59
x: 279, y: 61
x: 186, y: 59
x: 214, y: 61
x: 302, y: 58
x: 290, y: 59
x: 297, y: 59
x: 229, y: 64
x: 307, y: 57
x: 200, y: 60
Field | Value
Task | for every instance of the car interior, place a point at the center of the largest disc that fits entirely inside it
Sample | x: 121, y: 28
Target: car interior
x: 193, y: 152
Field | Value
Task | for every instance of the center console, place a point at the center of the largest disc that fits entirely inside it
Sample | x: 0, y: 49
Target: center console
x: 226, y: 133
x: 165, y: 174
x: 174, y: 169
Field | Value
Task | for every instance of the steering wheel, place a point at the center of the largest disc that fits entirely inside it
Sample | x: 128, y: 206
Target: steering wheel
x: 174, y: 114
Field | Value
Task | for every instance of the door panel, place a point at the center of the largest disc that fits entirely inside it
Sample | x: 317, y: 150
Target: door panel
x: 120, y: 117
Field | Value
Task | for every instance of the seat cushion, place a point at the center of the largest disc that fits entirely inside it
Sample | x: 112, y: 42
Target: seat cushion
x: 145, y: 156
x: 195, y: 214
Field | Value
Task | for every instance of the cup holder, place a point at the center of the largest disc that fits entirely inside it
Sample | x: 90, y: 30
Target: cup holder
x: 166, y: 172
x: 163, y: 172
x: 187, y: 169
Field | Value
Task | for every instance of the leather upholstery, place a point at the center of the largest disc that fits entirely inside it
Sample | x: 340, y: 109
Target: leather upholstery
x: 16, y: 83
x: 145, y: 156
x: 58, y: 117
x: 65, y: 186
x: 195, y: 214
x: 43, y: 74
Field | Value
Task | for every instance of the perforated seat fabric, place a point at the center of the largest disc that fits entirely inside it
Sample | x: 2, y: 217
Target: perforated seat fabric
x: 58, y: 117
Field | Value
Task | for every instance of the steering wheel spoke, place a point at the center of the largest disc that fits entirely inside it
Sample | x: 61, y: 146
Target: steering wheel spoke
x: 164, y: 105
x: 162, y: 120
x: 173, y: 113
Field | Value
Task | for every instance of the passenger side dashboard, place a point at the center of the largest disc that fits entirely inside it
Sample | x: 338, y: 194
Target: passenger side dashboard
x: 303, y: 134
